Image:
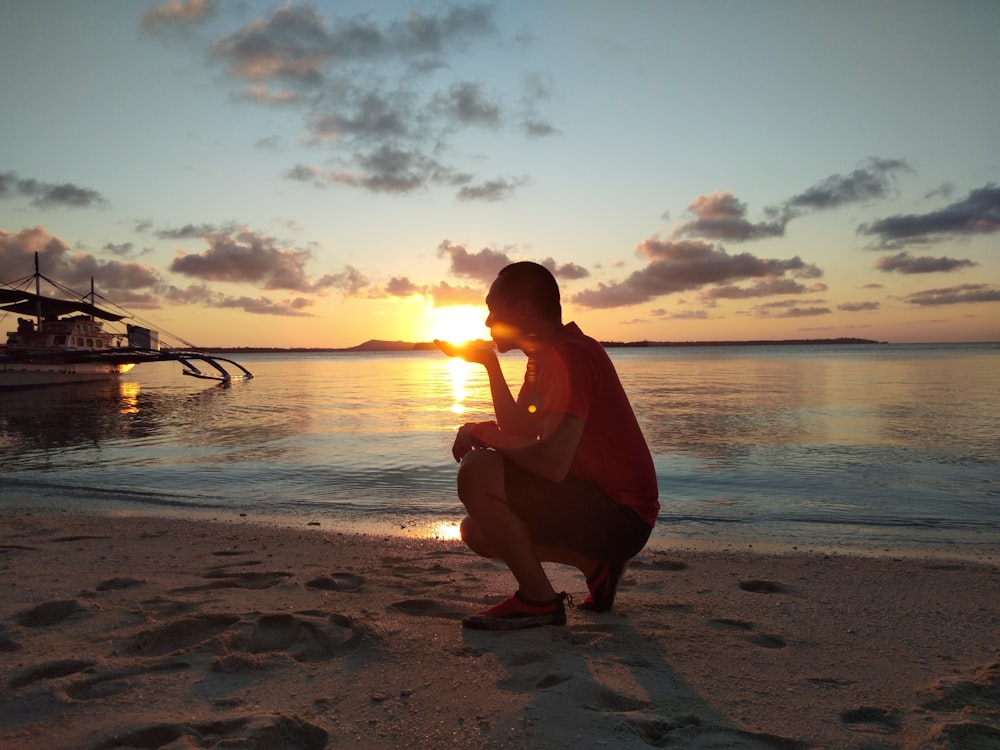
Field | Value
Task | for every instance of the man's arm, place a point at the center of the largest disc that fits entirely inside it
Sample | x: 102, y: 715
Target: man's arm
x: 550, y: 457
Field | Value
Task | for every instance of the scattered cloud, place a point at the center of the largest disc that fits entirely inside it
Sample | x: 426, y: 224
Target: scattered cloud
x: 490, y: 191
x: 49, y: 195
x: 977, y: 213
x: 72, y: 268
x: 906, y: 263
x: 874, y: 180
x: 955, y: 295
x: 482, y: 266
x: 441, y: 294
x: 789, y: 309
x: 380, y: 97
x: 721, y: 216
x: 251, y: 258
x: 195, y: 231
x: 765, y: 288
x: 178, y: 12
x: 859, y: 306
x: 568, y: 271
x: 677, y: 266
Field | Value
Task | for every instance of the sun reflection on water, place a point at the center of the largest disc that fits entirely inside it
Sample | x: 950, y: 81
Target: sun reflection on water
x: 459, y: 376
x: 129, y: 395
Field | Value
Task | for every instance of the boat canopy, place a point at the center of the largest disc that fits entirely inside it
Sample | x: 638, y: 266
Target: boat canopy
x: 26, y: 303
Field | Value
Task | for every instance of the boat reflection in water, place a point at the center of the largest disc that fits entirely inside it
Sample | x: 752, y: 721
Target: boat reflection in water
x: 73, y: 417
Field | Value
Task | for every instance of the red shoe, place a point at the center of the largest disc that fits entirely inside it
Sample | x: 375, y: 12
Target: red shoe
x: 516, y: 613
x: 602, y: 586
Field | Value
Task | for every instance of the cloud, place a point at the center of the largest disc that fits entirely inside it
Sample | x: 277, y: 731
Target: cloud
x: 905, y: 263
x: 379, y: 95
x: 201, y: 294
x: 248, y: 257
x: 49, y: 195
x: 441, y: 294
x: 466, y: 104
x: 677, y: 266
x: 875, y: 179
x: 721, y: 216
x: 788, y: 309
x: 122, y: 250
x: 571, y: 271
x: 858, y: 306
x: 350, y: 281
x: 444, y: 294
x: 194, y: 231
x: 491, y: 190
x: 977, y: 213
x: 73, y: 268
x: 956, y: 295
x: 263, y: 306
x: 130, y: 284
x: 178, y: 12
x: 764, y: 288
x: 387, y: 169
x: 482, y: 266
x: 402, y: 287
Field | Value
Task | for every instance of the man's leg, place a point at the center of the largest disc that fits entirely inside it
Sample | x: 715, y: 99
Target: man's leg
x: 492, y: 527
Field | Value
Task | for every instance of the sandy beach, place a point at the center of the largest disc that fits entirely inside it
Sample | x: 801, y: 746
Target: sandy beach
x: 126, y: 632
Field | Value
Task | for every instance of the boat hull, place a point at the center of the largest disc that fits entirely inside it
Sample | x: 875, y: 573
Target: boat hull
x: 16, y: 376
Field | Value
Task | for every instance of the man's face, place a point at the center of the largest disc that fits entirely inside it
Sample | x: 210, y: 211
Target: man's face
x: 504, y: 321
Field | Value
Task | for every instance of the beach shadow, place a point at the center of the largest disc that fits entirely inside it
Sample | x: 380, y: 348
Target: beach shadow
x: 606, y: 680
x: 604, y: 683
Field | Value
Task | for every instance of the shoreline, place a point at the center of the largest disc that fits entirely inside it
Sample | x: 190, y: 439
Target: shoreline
x: 154, y: 632
x: 955, y: 545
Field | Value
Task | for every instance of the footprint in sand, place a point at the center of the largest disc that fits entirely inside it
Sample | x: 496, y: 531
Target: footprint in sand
x: 117, y: 584
x: 872, y: 719
x: 49, y: 613
x: 763, y: 640
x: 428, y: 608
x: 968, y: 711
x: 691, y: 731
x: 49, y: 671
x: 305, y: 637
x: 182, y: 634
x: 762, y: 587
x: 105, y: 685
x: 78, y: 538
x: 286, y: 732
x: 336, y: 582
x: 227, y: 579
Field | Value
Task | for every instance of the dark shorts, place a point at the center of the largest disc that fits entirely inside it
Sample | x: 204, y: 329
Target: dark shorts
x: 574, y: 514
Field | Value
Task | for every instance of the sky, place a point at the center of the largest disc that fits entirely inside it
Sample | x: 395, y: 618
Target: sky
x: 295, y: 174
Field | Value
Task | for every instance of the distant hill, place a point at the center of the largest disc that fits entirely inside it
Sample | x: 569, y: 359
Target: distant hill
x: 380, y: 345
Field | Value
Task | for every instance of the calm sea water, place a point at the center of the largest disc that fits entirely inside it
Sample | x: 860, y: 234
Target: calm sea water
x: 859, y: 448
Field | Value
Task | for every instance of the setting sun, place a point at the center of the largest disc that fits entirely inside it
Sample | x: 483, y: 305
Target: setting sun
x: 459, y: 324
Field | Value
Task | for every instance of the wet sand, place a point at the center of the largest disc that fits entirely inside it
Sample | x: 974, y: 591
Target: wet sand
x: 151, y: 633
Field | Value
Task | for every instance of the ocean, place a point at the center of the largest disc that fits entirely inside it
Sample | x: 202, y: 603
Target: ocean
x: 863, y: 449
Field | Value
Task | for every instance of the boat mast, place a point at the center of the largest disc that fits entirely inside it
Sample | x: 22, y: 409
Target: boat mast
x: 38, y: 295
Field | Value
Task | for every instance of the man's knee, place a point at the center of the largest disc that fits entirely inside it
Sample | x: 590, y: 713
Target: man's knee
x: 480, y: 474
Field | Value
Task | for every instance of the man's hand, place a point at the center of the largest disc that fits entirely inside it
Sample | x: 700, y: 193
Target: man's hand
x: 482, y: 355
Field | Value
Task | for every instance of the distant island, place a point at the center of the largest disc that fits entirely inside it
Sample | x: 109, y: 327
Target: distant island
x: 380, y: 345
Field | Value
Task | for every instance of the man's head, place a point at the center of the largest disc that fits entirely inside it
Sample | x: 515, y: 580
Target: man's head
x: 523, y: 301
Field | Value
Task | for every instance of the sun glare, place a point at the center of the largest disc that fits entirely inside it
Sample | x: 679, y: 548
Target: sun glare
x: 459, y: 324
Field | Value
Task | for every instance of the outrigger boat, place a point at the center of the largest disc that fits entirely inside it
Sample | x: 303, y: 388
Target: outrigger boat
x: 63, y: 341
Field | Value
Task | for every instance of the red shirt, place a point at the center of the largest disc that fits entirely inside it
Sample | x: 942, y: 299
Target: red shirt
x: 576, y: 377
